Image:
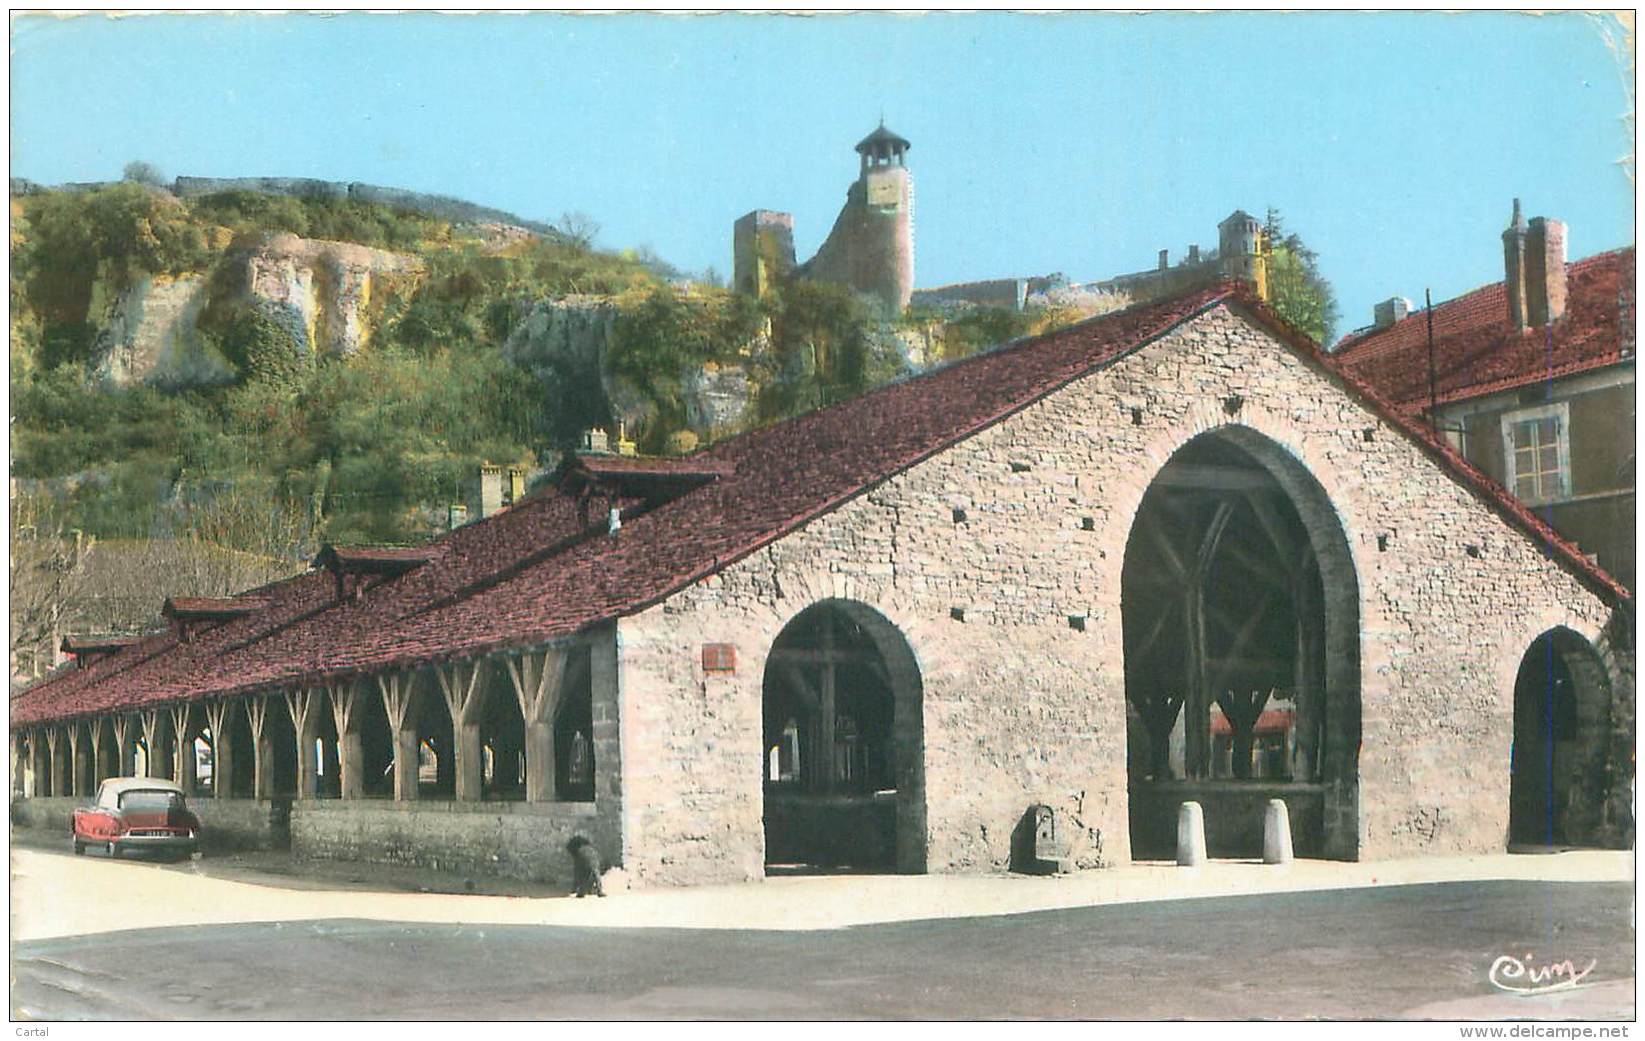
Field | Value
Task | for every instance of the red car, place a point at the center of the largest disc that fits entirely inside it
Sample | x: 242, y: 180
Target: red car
x: 137, y: 813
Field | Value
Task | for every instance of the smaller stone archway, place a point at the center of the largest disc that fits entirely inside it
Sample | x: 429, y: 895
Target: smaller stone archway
x: 842, y: 761
x: 1562, y: 718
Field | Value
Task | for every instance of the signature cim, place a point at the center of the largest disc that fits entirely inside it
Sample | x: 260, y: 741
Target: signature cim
x: 1522, y: 976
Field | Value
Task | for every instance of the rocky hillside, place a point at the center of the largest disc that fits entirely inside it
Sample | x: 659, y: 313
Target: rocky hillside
x: 348, y: 357
x: 329, y: 296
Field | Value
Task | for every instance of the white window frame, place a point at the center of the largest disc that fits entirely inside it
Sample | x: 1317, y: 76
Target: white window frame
x: 1560, y: 412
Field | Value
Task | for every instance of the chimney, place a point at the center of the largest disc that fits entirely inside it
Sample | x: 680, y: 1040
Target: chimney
x: 456, y: 516
x: 516, y: 484
x: 1391, y: 310
x: 491, y: 489
x: 596, y: 441
x: 1544, y: 271
x: 1193, y: 254
x: 1513, y: 263
x: 1164, y: 259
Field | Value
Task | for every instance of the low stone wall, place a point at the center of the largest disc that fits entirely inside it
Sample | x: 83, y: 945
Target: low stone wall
x: 507, y: 839
x: 51, y: 813
x: 828, y: 830
x: 225, y: 824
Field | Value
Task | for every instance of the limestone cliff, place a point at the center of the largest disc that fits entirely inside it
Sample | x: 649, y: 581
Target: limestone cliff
x: 152, y: 334
x: 568, y: 342
x: 326, y: 294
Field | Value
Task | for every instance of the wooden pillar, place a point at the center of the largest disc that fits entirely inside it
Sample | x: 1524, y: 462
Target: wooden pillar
x: 1197, y: 694
x: 152, y: 735
x: 301, y: 703
x: 828, y: 709
x: 42, y: 761
x: 399, y: 691
x: 539, y: 679
x: 345, y: 714
x: 97, y: 750
x: 58, y: 767
x: 123, y: 756
x: 77, y: 761
x: 219, y: 717
x: 183, y: 763
x: 18, y: 747
x: 262, y: 743
x: 462, y: 685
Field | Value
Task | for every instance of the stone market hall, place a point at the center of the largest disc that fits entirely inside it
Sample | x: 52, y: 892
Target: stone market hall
x: 1172, y: 553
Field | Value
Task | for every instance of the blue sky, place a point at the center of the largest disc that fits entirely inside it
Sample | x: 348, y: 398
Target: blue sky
x: 1080, y: 143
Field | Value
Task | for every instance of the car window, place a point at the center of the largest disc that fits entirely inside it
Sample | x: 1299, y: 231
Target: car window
x: 150, y: 801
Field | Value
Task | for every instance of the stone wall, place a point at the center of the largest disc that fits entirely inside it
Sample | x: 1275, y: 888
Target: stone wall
x: 225, y: 824
x: 509, y: 839
x: 1020, y: 706
x: 1009, y: 293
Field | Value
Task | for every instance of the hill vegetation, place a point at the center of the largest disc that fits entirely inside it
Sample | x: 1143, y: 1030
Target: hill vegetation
x: 369, y: 447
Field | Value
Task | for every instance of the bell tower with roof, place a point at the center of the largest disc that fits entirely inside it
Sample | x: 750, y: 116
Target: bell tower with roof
x: 871, y: 247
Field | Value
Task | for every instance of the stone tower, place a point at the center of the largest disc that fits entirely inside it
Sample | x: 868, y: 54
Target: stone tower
x: 1241, y: 252
x: 871, y: 248
x: 762, y: 250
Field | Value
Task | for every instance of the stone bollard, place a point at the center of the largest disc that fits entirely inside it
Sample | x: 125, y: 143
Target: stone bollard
x: 1276, y: 833
x: 1190, y: 835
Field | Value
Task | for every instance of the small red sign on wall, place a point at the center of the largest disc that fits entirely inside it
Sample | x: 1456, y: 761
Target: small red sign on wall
x: 719, y: 657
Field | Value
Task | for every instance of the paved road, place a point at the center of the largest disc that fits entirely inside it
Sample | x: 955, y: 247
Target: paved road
x: 1390, y: 952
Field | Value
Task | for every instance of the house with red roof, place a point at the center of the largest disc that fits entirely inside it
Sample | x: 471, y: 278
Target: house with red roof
x: 1174, y: 553
x: 1531, y: 379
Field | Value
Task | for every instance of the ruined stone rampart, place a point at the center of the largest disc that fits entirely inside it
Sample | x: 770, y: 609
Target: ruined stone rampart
x: 1008, y: 293
x: 443, y: 207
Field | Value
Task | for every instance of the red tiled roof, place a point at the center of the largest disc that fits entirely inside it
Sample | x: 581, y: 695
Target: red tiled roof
x: 1477, y: 350
x: 546, y: 569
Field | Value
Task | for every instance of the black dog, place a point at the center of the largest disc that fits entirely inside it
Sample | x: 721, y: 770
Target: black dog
x: 585, y: 867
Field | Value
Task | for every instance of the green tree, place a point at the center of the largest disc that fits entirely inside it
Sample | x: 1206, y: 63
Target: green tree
x: 261, y: 348
x: 826, y: 346
x: 663, y: 336
x: 143, y: 173
x: 1296, y: 288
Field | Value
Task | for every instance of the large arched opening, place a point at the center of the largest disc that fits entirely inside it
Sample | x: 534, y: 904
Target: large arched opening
x: 1559, y: 788
x: 1240, y: 610
x: 842, y: 769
